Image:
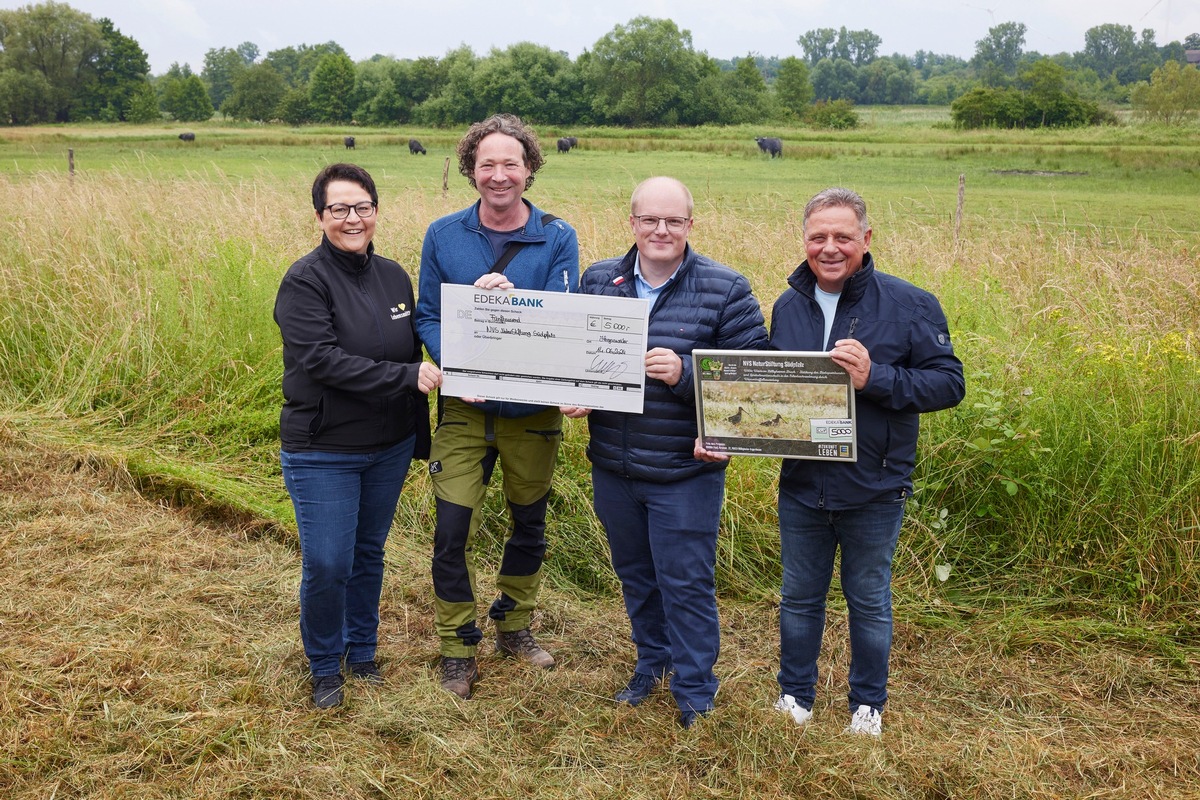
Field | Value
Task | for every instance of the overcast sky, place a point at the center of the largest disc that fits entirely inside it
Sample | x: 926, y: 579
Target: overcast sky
x: 183, y: 30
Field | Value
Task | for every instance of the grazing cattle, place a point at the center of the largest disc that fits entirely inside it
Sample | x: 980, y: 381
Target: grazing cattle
x: 770, y: 145
x: 349, y: 142
x: 566, y: 143
x: 187, y: 137
x: 414, y: 147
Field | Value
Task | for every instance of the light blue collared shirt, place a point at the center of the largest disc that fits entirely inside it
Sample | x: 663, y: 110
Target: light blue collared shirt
x: 644, y: 289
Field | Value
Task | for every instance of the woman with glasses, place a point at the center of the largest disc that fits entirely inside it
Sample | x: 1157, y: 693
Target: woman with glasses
x: 355, y: 414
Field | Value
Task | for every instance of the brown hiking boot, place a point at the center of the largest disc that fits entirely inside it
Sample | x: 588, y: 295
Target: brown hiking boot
x: 459, y: 675
x: 521, y: 644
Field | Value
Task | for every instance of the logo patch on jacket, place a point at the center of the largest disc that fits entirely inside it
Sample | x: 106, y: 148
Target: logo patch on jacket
x: 400, y: 311
x: 435, y: 467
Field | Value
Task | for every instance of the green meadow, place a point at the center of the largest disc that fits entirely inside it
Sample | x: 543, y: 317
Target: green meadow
x: 1048, y: 579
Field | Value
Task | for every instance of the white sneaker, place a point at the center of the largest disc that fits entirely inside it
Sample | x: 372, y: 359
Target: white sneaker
x: 788, y: 705
x: 866, y: 722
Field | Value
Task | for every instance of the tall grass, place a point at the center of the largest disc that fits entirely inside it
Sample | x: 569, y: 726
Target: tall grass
x: 135, y: 320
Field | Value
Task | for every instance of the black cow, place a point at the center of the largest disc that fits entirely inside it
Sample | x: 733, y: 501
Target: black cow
x: 349, y: 142
x: 187, y: 137
x: 414, y: 147
x: 566, y: 143
x: 770, y: 145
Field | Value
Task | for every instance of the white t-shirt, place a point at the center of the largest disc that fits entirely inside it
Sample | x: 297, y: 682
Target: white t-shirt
x: 828, y: 302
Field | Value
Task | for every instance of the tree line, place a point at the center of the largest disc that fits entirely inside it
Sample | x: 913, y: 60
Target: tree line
x: 58, y: 64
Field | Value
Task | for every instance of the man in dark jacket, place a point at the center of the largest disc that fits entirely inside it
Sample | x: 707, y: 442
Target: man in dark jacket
x: 894, y: 341
x: 659, y: 505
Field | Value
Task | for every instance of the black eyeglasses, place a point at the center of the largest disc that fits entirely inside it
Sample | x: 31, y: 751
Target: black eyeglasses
x: 364, y: 210
x: 649, y: 223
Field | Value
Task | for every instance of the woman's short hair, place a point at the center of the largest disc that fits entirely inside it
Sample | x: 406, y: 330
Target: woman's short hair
x: 341, y: 172
x: 509, y: 125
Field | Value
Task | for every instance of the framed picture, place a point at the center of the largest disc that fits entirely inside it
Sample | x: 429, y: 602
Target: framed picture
x: 773, y: 403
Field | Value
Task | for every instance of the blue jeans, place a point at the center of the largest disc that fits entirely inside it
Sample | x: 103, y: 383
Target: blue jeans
x: 663, y: 540
x: 345, y: 503
x: 808, y: 541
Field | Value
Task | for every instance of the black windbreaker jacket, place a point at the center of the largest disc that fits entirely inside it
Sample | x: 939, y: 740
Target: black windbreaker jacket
x: 351, y: 354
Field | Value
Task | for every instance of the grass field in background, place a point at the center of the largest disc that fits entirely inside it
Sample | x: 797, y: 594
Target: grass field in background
x: 138, y: 293
x: 1057, y: 517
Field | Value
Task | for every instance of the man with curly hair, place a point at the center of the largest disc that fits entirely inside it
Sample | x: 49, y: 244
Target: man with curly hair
x: 502, y: 241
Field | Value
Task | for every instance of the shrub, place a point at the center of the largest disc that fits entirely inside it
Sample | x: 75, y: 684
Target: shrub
x: 833, y: 114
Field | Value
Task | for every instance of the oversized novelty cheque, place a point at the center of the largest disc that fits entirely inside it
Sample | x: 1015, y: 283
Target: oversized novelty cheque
x: 548, y: 348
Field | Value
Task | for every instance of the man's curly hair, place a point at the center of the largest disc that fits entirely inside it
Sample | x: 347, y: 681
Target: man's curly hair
x: 509, y: 125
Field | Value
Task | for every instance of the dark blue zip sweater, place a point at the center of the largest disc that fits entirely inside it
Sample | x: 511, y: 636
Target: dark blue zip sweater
x: 913, y: 370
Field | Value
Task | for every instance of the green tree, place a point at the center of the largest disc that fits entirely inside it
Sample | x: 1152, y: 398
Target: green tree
x: 1191, y: 41
x: 1045, y: 81
x: 426, y: 77
x: 639, y: 73
x: 59, y: 43
x: 1171, y: 96
x: 187, y: 100
x: 793, y: 87
x: 248, y: 51
x: 1051, y: 102
x: 295, y: 108
x: 222, y: 66
x: 296, y: 64
x: 256, y: 93
x: 998, y: 53
x: 942, y: 90
x: 857, y: 47
x: 1013, y: 108
x: 24, y: 97
x: 861, y: 47
x: 331, y: 89
x: 527, y: 80
x: 989, y: 108
x: 886, y: 81
x: 456, y: 101
x: 377, y: 85
x: 119, y: 70
x: 744, y: 93
x: 143, y: 105
x: 834, y: 79
x: 705, y: 103
x: 1110, y: 50
x: 818, y: 45
x: 167, y: 84
x: 385, y: 107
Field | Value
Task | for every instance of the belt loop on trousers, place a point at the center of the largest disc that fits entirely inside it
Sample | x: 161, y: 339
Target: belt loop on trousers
x: 489, y: 427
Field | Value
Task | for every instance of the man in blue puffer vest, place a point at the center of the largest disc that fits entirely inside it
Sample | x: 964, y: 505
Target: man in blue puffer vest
x: 661, y: 506
x: 893, y: 340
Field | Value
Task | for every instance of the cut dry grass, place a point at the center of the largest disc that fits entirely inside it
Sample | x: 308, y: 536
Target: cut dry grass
x: 147, y: 653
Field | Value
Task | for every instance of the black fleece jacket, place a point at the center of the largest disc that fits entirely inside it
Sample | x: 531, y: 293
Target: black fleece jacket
x: 351, y: 354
